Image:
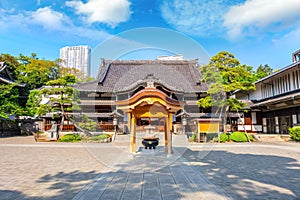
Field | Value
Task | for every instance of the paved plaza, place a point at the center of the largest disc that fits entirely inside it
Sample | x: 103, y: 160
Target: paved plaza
x: 31, y: 170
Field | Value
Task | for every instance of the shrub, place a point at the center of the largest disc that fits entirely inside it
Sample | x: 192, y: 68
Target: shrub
x: 193, y: 137
x: 295, y: 133
x: 235, y: 136
x: 99, y: 137
x: 240, y: 137
x: 223, y: 138
x: 70, y: 138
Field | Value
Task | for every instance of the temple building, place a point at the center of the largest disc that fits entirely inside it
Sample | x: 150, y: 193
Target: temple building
x: 144, y: 94
x: 275, y: 104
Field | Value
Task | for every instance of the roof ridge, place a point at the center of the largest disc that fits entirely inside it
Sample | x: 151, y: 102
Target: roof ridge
x: 151, y: 61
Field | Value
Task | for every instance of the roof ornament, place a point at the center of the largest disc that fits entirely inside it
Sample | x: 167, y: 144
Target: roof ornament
x: 150, y: 80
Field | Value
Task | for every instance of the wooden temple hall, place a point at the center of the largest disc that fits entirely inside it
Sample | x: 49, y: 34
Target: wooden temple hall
x: 143, y: 97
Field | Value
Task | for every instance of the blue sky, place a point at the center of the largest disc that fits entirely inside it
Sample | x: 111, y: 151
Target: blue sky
x: 255, y: 31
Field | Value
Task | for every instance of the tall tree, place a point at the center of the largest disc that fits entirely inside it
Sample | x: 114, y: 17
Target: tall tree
x: 13, y: 64
x: 9, y: 100
x: 63, y: 98
x: 63, y: 71
x: 263, y: 71
x: 36, y: 73
x: 224, y: 74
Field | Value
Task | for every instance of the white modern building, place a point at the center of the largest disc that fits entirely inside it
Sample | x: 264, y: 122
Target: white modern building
x: 76, y: 57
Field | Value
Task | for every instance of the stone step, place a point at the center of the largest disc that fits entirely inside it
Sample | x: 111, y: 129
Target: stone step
x: 272, y: 137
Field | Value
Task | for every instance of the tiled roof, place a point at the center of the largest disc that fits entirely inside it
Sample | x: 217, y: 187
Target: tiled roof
x: 123, y: 75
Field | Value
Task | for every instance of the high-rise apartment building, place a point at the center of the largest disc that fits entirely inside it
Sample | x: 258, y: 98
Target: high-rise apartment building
x: 76, y: 57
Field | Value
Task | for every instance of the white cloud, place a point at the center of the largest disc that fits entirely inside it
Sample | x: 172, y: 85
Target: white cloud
x: 289, y: 41
x: 261, y: 15
x: 110, y: 12
x: 47, y: 19
x: 202, y: 18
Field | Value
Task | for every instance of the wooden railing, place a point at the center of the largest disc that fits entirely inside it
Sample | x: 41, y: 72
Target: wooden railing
x: 66, y: 127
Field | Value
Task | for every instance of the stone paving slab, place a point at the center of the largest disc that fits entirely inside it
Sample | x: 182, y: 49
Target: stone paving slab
x: 151, y: 174
x: 31, y: 170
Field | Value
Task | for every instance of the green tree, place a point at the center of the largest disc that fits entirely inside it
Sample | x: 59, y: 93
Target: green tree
x: 263, y: 71
x: 63, y: 98
x: 63, y: 71
x: 9, y: 100
x: 35, y: 73
x: 224, y: 74
x: 13, y: 65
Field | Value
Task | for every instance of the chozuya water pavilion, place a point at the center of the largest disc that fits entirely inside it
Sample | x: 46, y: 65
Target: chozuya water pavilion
x: 143, y: 95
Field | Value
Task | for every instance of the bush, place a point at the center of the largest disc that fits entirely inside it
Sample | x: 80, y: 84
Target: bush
x: 223, y: 138
x: 70, y: 138
x: 295, y: 133
x: 240, y: 137
x: 193, y: 137
x: 235, y: 136
x: 99, y: 137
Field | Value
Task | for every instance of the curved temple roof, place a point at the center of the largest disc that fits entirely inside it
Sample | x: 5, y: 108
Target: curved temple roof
x: 122, y: 75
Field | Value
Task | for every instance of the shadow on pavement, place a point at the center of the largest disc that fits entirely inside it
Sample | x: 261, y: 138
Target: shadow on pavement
x: 249, y: 176
x: 223, y: 173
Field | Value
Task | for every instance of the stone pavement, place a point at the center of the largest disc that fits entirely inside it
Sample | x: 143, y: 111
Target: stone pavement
x: 31, y: 170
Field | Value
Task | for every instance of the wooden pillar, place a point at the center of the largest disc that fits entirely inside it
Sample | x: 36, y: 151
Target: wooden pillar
x: 165, y: 130
x: 168, y: 139
x: 133, y: 135
x: 129, y: 122
x: 171, y: 121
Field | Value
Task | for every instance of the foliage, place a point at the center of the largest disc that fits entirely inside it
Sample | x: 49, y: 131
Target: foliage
x: 63, y: 71
x: 240, y: 137
x: 34, y: 99
x: 225, y: 74
x: 35, y: 73
x: 87, y: 123
x: 295, y: 133
x: 70, y: 138
x: 223, y: 138
x: 235, y: 137
x: 99, y: 137
x: 9, y: 103
x: 193, y: 137
x: 13, y: 64
x: 63, y: 98
x: 263, y: 71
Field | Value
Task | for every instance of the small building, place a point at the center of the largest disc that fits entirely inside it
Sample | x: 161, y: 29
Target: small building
x: 275, y: 104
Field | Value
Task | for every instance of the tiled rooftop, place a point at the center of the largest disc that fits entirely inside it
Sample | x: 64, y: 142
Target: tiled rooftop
x: 122, y: 75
